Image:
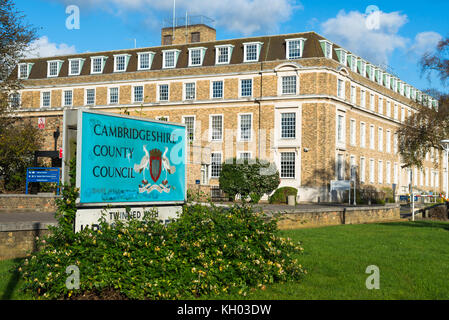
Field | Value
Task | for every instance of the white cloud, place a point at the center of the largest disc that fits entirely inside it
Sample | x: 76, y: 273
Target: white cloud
x: 245, y: 16
x: 42, y: 47
x: 356, y: 32
x: 425, y: 42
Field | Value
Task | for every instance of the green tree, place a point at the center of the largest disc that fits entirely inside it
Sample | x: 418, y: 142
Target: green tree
x: 252, y: 178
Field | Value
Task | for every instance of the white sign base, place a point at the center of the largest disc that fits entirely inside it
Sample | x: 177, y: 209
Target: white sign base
x: 89, y: 218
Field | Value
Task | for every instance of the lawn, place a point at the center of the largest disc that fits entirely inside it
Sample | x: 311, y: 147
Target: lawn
x: 413, y: 261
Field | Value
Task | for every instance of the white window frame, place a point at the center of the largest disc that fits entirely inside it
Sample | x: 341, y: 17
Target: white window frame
x: 103, y: 63
x: 64, y: 100
x: 158, y: 92
x: 363, y: 98
x: 301, y: 47
x: 281, y: 137
x: 211, y: 131
x: 194, y: 126
x: 150, y: 59
x: 341, y: 88
x: 95, y: 97
x: 352, y: 132
x: 58, y: 67
x: 42, y: 99
x: 372, y: 134
x: 230, y: 48
x: 295, y: 165
x: 388, y: 141
x: 258, y: 50
x: 388, y: 172
x: 240, y: 153
x: 380, y: 139
x: 380, y: 172
x: 80, y: 66
x: 362, y: 134
x: 372, y: 171
x: 212, y: 89
x: 211, y: 163
x: 109, y: 96
x: 184, y: 91
x: 175, y: 58
x: 327, y: 48
x: 340, y: 136
x: 240, y: 88
x: 239, y: 135
x: 342, y: 56
x: 282, y: 84
x: 353, y: 94
x: 202, y: 52
x: 362, y: 170
x: 134, y: 93
x: 125, y: 62
x: 28, y: 70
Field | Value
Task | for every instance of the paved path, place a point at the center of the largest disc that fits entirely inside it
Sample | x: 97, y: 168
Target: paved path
x: 26, y: 216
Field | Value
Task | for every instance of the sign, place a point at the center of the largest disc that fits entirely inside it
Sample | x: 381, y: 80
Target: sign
x: 123, y: 160
x: 407, y: 198
x: 340, y: 185
x: 51, y: 175
x: 60, y: 153
x: 41, y: 123
x: 197, y: 182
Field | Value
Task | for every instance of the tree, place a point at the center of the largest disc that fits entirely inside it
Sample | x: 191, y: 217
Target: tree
x: 248, y: 178
x: 18, y: 140
x: 424, y: 130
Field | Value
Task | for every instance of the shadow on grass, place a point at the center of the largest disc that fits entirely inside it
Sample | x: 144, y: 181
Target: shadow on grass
x: 419, y: 224
x: 13, y: 281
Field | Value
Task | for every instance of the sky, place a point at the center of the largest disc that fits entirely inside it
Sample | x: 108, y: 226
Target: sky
x: 393, y: 34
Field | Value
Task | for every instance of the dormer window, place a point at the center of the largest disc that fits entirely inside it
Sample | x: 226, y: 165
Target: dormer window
x: 75, y: 66
x: 252, y: 51
x: 387, y: 80
x: 24, y: 70
x: 395, y: 85
x: 223, y: 54
x: 53, y: 68
x: 196, y: 56
x: 97, y: 64
x: 145, y: 60
x: 371, y: 69
x: 342, y: 56
x: 121, y: 62
x: 327, y: 48
x: 362, y: 67
x: 170, y: 58
x: 352, y: 62
x: 294, y: 48
x: 380, y: 76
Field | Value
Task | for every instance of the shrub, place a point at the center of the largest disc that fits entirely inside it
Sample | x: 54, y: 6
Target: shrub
x: 281, y: 195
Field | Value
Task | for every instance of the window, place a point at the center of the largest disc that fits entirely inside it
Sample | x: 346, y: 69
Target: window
x: 14, y: 100
x: 204, y: 174
x: 342, y: 56
x: 371, y: 102
x: 352, y: 168
x: 245, y: 127
x: 371, y: 73
x: 340, y: 167
x: 341, y: 129
x: 189, y: 91
x: 353, y: 95
x: 381, y: 106
x: 380, y: 173
x: 395, y: 143
x: 327, y: 48
x: 167, y: 40
x: 68, y: 97
x: 371, y: 137
x: 245, y: 156
x: 402, y: 114
x: 353, y: 63
x: 223, y: 54
x: 340, y: 88
x: 46, y: 99
x: 90, y: 97
x: 24, y: 70
x: 163, y: 92
x: 395, y: 173
x: 170, y: 57
x: 388, y: 141
x: 288, y: 165
x: 362, y: 170
x: 252, y: 51
x: 362, y: 67
x: 196, y: 56
x: 189, y: 121
x: 371, y: 170
x: 288, y: 125
x: 352, y: 129
x: 388, y: 172
x: 289, y: 85
x: 362, y: 135
x: 294, y: 48
x: 216, y: 122
x: 217, y: 89
x: 387, y: 81
x: 396, y: 111
x: 215, y: 161
x: 97, y: 64
x: 388, y: 108
x: 246, y: 87
x: 138, y: 94
x: 363, y: 99
x: 53, y: 68
x: 145, y: 60
x: 75, y: 66
x: 380, y: 137
x: 113, y: 95
x: 380, y: 77
x: 121, y: 62
x: 195, y: 37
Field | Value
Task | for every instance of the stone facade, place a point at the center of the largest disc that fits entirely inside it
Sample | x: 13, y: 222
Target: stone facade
x: 35, y: 203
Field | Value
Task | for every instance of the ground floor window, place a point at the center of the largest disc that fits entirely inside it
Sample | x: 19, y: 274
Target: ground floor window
x: 215, y: 164
x: 287, y: 165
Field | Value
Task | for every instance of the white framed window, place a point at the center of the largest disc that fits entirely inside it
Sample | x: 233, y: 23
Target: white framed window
x: 352, y: 132
x: 251, y: 51
x: 90, y: 97
x: 246, y: 87
x: 388, y: 111
x: 53, y: 68
x: 380, y: 76
x: 388, y: 141
x: 163, y: 92
x: 244, y: 155
x: 395, y: 143
x: 363, y: 99
x: 189, y: 121
x: 46, y: 99
x: 67, y: 98
x: 223, y: 54
x: 288, y: 125
x: 216, y: 127
x: 170, y: 58
x: 381, y: 105
x: 327, y: 48
x: 371, y: 102
x: 294, y: 48
x: 204, y: 174
x: 362, y: 64
x: 362, y: 134
x: 245, y: 124
x: 353, y: 62
x: 145, y: 60
x: 340, y: 170
x: 138, y: 94
x: 340, y: 88
x: 371, y: 137
x: 352, y: 168
x: 196, y: 56
x: 15, y: 100
x: 97, y: 64
x: 371, y: 171
x: 387, y: 80
x: 380, y: 172
x: 372, y: 73
x: 189, y: 91
x: 341, y: 129
x: 113, y: 95
x: 75, y: 66
x: 402, y: 114
x: 24, y: 70
x: 362, y: 169
x: 121, y: 62
x: 289, y: 84
x: 288, y: 165
x: 215, y: 164
x: 380, y: 138
x: 353, y: 95
x: 396, y: 111
x: 395, y: 173
x: 217, y: 89
x: 388, y: 172
x: 342, y: 56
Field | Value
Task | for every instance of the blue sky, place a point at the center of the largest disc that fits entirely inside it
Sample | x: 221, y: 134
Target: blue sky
x: 405, y: 29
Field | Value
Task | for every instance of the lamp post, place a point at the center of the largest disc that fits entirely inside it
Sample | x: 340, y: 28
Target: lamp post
x: 445, y: 144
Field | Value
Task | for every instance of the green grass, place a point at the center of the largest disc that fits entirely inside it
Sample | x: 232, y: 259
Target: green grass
x: 413, y: 259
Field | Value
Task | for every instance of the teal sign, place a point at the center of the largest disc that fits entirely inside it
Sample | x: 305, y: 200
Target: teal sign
x: 127, y: 160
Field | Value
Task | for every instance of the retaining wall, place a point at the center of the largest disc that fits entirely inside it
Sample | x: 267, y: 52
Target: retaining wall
x: 28, y: 202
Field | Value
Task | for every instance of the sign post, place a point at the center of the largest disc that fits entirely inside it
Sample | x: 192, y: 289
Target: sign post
x: 51, y: 175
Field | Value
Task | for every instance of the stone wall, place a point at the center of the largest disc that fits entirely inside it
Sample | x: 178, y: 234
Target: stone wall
x: 300, y: 218
x: 22, y: 202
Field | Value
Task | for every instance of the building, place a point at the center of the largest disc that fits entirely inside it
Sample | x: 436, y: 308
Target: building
x: 298, y: 100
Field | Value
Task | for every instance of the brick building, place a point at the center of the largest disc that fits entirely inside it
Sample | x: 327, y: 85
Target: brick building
x: 299, y: 100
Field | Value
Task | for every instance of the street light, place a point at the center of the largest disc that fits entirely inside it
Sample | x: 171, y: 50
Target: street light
x: 445, y: 144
